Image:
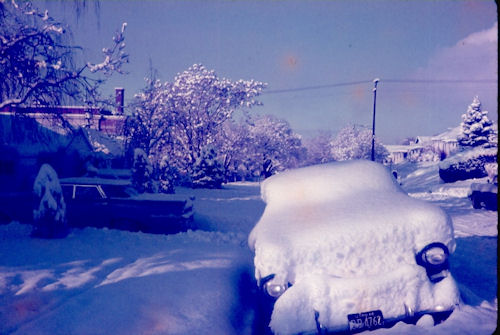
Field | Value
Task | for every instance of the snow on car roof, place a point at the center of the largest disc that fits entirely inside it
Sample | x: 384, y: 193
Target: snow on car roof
x: 327, y: 182
x: 346, y: 218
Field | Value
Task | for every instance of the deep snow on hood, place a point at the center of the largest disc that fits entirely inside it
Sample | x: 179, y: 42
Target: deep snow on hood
x: 345, y: 219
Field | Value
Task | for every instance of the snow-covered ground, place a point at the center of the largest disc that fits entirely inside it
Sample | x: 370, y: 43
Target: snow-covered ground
x: 99, y: 281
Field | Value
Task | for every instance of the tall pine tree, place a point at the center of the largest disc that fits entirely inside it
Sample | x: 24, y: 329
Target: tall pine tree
x: 477, y: 128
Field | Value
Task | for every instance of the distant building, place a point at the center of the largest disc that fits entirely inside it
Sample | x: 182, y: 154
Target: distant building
x: 108, y: 122
x: 443, y: 144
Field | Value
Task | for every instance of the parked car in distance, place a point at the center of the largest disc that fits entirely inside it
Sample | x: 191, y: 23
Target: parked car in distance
x: 341, y: 248
x: 484, y: 195
x: 113, y: 203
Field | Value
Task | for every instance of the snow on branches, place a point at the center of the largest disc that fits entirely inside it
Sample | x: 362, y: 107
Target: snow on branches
x: 477, y: 128
x: 183, y: 118
x: 354, y: 142
x: 274, y: 146
x: 38, y: 63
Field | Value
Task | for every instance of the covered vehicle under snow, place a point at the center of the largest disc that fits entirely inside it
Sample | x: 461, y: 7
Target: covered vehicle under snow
x: 341, y: 247
x: 113, y: 203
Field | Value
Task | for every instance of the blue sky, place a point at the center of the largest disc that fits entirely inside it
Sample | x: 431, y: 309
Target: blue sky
x: 298, y: 44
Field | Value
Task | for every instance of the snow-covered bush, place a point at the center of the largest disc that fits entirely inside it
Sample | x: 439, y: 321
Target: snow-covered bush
x: 492, y: 170
x: 477, y: 128
x: 142, y: 172
x: 50, y: 214
x: 355, y: 142
x: 207, y: 170
x: 467, y: 164
x: 427, y: 154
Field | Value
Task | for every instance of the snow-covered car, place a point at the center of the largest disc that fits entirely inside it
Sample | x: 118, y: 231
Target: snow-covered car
x: 341, y: 247
x: 115, y: 204
x: 484, y: 195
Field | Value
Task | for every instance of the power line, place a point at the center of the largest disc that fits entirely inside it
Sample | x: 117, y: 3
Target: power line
x: 307, y: 88
x: 398, y: 81
x: 440, y: 81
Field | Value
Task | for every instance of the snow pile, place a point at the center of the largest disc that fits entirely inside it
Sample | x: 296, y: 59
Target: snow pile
x: 327, y: 229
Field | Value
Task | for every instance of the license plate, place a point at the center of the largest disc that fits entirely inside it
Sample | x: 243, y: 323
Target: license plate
x: 365, y: 321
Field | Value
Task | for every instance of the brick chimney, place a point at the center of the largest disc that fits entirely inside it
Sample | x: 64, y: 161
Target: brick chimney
x: 119, y: 98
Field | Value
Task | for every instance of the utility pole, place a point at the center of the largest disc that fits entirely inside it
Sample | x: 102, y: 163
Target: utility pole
x: 375, y: 82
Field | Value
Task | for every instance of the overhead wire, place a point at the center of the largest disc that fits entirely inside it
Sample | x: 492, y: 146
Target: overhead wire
x: 401, y: 81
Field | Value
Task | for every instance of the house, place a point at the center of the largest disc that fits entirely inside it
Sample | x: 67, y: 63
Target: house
x: 442, y: 144
x: 445, y: 143
x: 108, y: 122
x: 70, y: 138
x: 25, y: 145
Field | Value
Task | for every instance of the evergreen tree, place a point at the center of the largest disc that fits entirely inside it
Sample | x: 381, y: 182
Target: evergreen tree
x: 166, y: 176
x: 141, y: 172
x: 477, y: 128
x: 208, y: 172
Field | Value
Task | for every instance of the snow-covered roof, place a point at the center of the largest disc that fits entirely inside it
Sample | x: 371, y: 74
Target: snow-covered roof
x: 102, y: 143
x: 393, y: 148
x: 449, y: 135
x: 30, y: 138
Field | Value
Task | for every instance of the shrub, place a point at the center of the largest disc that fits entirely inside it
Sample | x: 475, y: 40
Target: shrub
x: 50, y: 215
x: 467, y: 164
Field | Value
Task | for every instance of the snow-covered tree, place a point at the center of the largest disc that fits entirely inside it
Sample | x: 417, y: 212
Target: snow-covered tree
x: 477, y: 128
x: 151, y: 125
x: 355, y: 142
x: 234, y: 145
x: 208, y: 172
x: 142, y: 172
x: 319, y: 148
x: 274, y: 146
x: 39, y: 65
x: 50, y: 213
x: 182, y: 118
